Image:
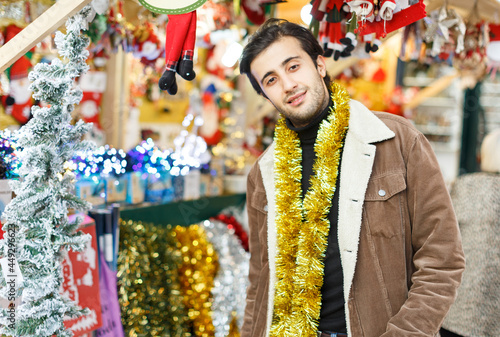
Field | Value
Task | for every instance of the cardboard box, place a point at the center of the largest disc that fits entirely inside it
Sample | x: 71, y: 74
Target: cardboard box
x: 81, y: 282
x: 94, y: 191
x: 116, y: 189
x: 136, y: 187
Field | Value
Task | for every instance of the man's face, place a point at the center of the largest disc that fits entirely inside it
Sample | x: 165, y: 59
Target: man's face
x: 291, y: 81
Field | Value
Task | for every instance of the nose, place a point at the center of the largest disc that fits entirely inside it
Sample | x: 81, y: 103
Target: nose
x: 289, y: 84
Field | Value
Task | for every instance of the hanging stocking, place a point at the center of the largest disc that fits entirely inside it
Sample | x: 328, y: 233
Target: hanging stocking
x: 179, y: 50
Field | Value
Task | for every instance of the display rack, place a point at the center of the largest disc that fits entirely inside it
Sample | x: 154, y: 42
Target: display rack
x: 490, y: 91
x: 439, y: 118
x: 182, y: 213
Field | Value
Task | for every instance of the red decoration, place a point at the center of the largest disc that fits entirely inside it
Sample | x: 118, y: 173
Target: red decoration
x: 254, y: 11
x: 233, y: 224
x: 81, y: 283
x: 400, y: 19
x: 179, y: 50
x: 18, y: 101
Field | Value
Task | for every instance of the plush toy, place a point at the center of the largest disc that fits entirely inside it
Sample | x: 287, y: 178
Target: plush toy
x: 364, y: 9
x: 179, y: 50
x: 331, y: 14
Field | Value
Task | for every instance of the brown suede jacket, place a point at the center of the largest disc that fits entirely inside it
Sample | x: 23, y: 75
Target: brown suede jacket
x: 399, y: 241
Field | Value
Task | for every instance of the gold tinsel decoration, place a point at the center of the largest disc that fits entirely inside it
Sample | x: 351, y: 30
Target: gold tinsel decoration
x: 148, y: 281
x: 303, y: 225
x: 196, y: 275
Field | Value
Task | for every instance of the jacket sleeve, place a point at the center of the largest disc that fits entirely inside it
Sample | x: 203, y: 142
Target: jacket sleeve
x: 438, y: 258
x: 255, y: 259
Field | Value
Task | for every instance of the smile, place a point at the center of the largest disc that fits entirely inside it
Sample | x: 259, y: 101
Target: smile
x: 297, y: 99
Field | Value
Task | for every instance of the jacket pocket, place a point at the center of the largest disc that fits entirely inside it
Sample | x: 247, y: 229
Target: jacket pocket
x: 383, y: 204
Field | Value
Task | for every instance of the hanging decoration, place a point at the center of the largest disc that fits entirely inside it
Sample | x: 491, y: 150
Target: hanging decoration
x: 255, y: 13
x: 172, y: 6
x: 330, y: 14
x: 340, y: 23
x: 445, y: 31
x: 179, y: 50
x: 36, y: 219
x: 471, y: 60
x: 14, y: 12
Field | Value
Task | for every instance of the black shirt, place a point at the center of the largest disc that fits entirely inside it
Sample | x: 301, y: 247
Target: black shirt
x: 332, y: 316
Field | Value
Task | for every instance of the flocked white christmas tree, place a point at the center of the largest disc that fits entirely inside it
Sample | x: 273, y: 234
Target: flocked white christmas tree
x: 36, y: 220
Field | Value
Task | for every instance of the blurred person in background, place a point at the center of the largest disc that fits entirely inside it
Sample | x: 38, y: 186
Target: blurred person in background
x: 476, y: 198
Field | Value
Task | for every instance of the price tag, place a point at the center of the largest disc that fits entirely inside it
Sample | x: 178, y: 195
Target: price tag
x: 172, y: 6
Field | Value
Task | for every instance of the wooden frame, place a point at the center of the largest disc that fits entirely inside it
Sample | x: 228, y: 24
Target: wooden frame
x: 36, y: 31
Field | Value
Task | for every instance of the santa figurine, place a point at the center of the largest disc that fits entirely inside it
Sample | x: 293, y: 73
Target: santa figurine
x: 18, y: 101
x: 147, y: 44
x: 179, y: 50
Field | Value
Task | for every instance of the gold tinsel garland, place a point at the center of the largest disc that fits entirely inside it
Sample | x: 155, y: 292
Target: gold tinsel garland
x: 196, y: 275
x: 148, y: 281
x: 303, y: 226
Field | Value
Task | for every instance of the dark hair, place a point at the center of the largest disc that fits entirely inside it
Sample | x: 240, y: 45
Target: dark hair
x: 271, y: 31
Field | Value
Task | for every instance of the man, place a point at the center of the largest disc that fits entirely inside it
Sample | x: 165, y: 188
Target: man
x: 352, y: 232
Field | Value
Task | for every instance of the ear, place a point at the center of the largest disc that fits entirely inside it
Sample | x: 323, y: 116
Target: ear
x: 321, y: 65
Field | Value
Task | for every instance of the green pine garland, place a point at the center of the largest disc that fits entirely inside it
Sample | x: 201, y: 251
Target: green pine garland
x: 36, y: 219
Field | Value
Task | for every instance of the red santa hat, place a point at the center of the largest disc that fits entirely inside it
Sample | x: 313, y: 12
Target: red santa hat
x: 20, y: 68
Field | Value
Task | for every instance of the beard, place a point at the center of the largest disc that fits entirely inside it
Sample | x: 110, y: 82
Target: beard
x: 316, y: 101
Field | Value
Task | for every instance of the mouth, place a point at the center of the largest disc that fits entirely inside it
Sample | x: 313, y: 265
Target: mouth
x: 296, y: 99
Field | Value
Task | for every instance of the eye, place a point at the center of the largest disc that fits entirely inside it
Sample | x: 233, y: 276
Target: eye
x: 293, y: 67
x: 270, y: 81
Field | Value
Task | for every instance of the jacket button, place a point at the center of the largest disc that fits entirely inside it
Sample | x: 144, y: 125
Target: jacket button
x: 265, y: 208
x: 381, y: 193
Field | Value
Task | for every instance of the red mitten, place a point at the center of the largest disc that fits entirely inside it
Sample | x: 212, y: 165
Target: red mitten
x: 179, y: 50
